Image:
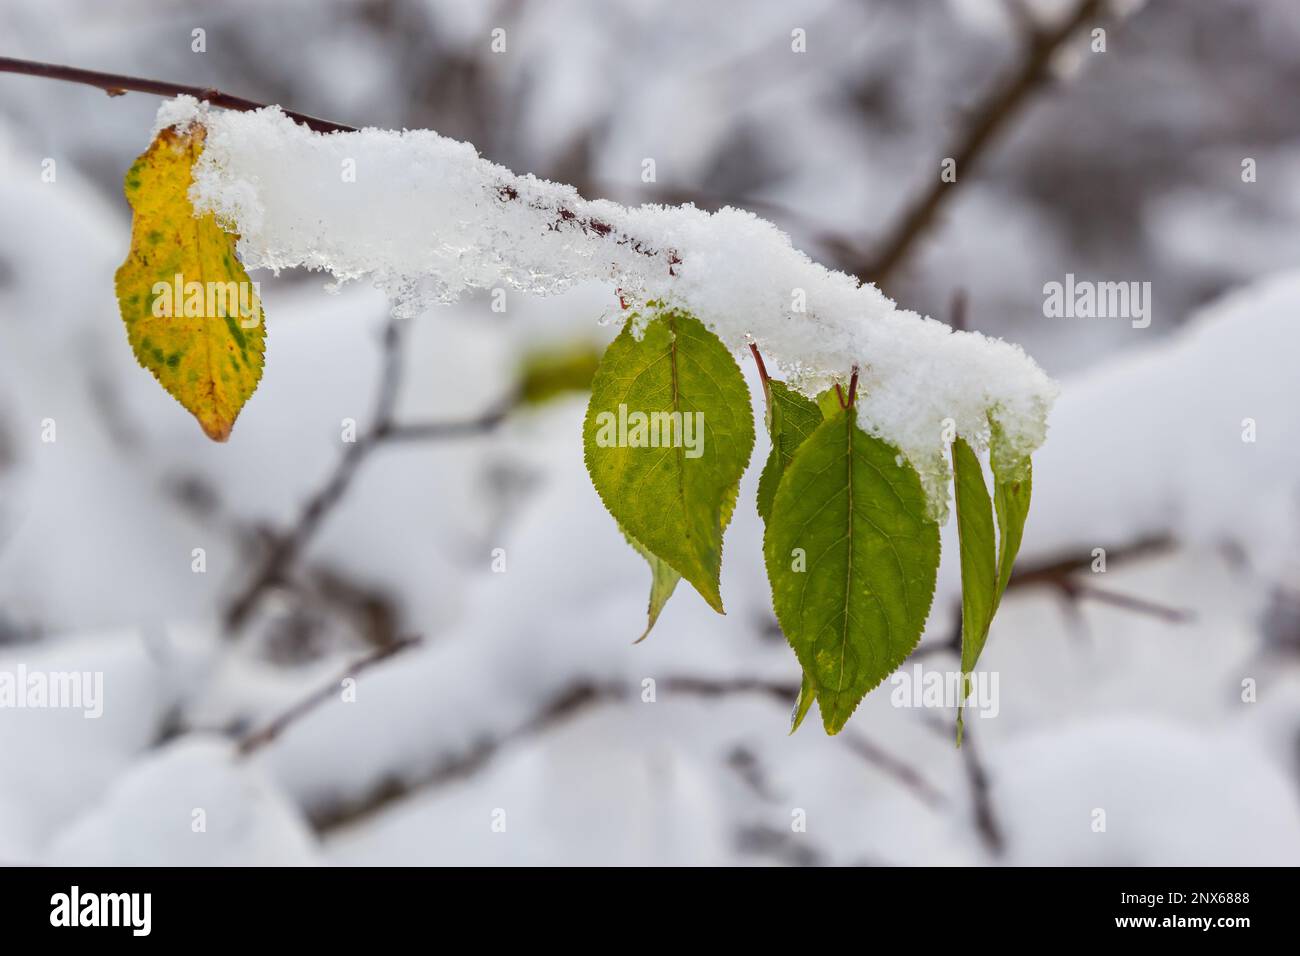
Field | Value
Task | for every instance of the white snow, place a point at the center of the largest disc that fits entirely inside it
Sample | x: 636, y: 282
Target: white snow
x: 191, y: 803
x: 427, y: 220
x: 1159, y: 443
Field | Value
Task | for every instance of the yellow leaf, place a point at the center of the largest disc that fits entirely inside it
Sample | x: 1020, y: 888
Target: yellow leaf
x: 192, y: 316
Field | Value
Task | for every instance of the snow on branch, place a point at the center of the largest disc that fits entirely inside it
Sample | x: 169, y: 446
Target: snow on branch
x: 426, y: 219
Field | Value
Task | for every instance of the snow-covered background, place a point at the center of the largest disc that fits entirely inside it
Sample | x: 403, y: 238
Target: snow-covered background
x: 1164, y: 691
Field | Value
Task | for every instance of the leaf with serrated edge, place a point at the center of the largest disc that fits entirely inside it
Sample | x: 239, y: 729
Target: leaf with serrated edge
x: 829, y: 401
x: 672, y: 504
x: 205, y: 350
x: 872, y: 552
x: 978, y: 561
x: 790, y: 419
x: 663, y: 579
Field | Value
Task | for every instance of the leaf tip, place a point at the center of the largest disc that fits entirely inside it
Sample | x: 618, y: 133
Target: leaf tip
x: 833, y: 724
x: 217, y: 429
x: 711, y: 591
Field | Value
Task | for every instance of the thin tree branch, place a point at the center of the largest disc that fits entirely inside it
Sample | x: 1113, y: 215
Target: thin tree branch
x: 986, y: 819
x: 272, y: 730
x: 432, y: 431
x: 115, y: 84
x: 287, y: 547
x: 563, y: 218
x: 1128, y: 602
x: 959, y: 311
x: 1051, y: 571
x: 900, y: 770
x: 1060, y: 575
x: 580, y: 698
x: 991, y: 117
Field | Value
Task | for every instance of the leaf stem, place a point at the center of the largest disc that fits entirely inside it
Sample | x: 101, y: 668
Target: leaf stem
x: 762, y: 375
x: 847, y: 403
x: 758, y: 360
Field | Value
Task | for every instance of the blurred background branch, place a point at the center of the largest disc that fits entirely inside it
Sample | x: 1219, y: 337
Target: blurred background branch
x: 999, y: 109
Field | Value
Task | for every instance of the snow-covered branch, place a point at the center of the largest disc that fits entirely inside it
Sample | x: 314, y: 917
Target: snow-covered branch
x: 427, y: 220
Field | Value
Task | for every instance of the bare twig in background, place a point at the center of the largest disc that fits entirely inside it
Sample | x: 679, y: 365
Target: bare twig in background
x: 1004, y: 103
x: 432, y: 431
x: 324, y: 591
x: 1074, y: 591
x: 900, y: 770
x: 577, y: 699
x: 1025, y: 19
x: 263, y: 736
x: 959, y: 312
x: 986, y: 821
x: 1049, y: 572
x: 288, y: 546
x: 1060, y: 576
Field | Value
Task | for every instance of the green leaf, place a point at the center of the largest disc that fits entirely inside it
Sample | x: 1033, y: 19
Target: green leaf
x: 663, y: 579
x: 668, y: 434
x: 548, y: 373
x: 791, y: 418
x: 856, y: 513
x: 192, y: 315
x: 828, y: 401
x: 807, y: 694
x: 978, y: 561
x: 1011, y: 493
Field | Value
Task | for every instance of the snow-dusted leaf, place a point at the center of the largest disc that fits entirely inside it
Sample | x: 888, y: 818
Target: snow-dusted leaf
x: 851, y: 554
x: 668, y: 433
x: 192, y: 315
x: 663, y: 579
x: 1012, y: 489
x: 790, y: 419
x: 978, y: 560
x: 830, y: 401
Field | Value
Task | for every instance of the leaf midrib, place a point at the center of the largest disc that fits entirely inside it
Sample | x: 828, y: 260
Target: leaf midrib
x: 848, y: 563
x: 678, y: 449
